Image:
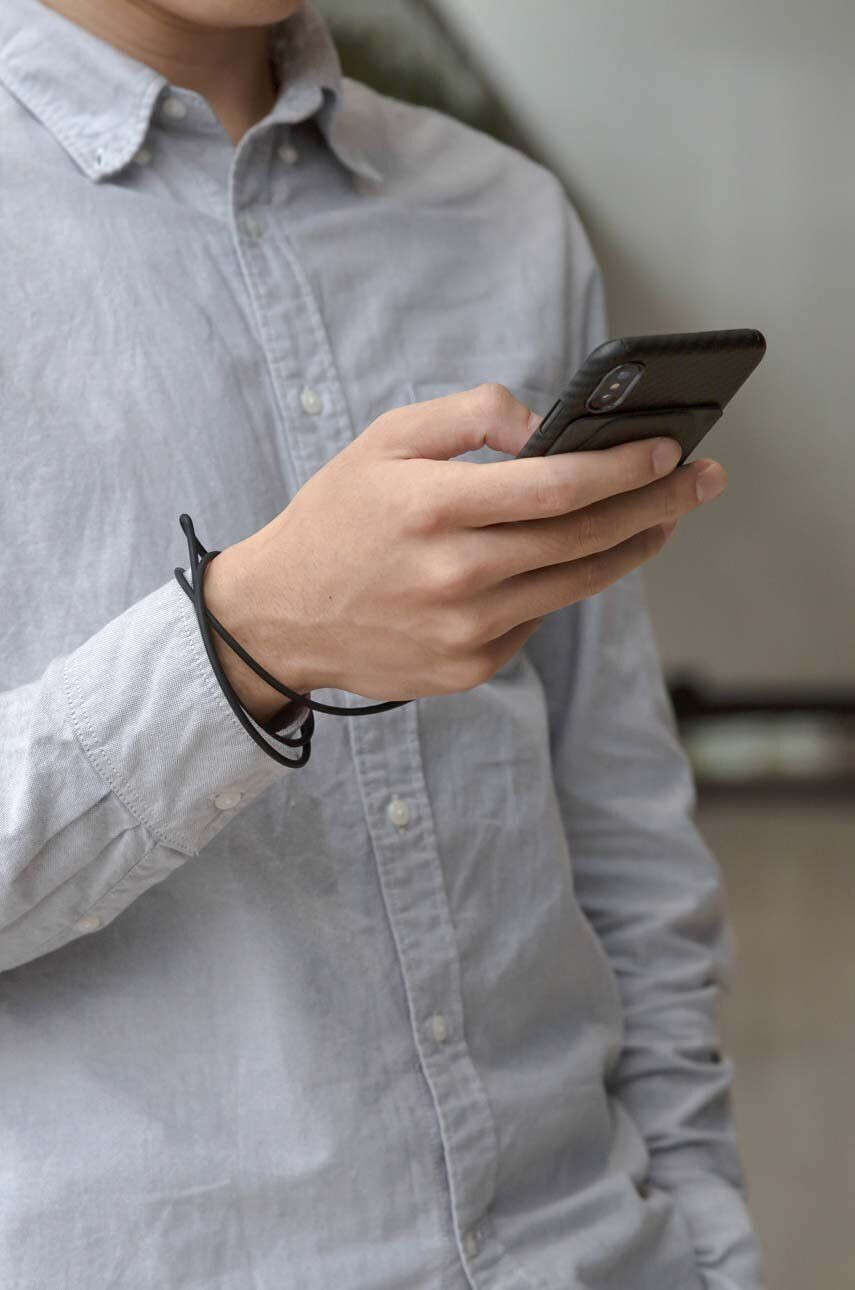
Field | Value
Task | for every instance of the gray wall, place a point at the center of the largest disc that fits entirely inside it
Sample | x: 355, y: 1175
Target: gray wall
x: 708, y: 145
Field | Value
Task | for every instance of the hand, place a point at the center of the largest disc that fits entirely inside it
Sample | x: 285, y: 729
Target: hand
x: 395, y: 572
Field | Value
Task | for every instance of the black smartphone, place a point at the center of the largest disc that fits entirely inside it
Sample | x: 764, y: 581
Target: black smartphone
x: 644, y: 386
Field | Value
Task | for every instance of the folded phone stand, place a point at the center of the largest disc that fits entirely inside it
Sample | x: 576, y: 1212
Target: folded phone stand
x: 687, y: 425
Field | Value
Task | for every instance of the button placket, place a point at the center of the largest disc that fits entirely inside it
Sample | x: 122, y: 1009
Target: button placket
x: 292, y: 330
x: 385, y: 749
x: 414, y: 893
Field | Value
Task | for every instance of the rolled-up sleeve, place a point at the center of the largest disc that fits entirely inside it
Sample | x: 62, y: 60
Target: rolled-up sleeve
x: 119, y: 763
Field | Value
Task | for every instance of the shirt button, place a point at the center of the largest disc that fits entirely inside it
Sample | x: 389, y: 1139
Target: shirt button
x: 288, y: 153
x: 470, y: 1244
x: 174, y: 109
x: 398, y: 813
x: 311, y: 401
x: 89, y: 923
x: 251, y: 224
x: 228, y: 799
x: 142, y: 156
x: 439, y: 1027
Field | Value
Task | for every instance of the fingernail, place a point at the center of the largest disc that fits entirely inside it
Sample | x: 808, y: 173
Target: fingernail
x: 710, y: 482
x: 533, y: 422
x: 666, y: 454
x: 669, y: 528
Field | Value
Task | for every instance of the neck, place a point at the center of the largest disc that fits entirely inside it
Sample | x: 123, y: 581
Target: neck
x: 228, y: 66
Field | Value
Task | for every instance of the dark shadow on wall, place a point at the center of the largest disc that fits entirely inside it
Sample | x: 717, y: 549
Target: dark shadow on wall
x: 405, y: 48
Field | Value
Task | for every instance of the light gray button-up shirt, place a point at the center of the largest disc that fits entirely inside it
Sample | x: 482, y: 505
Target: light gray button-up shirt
x: 437, y: 1010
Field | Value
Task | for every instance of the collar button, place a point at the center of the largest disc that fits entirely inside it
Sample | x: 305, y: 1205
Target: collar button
x: 173, y: 109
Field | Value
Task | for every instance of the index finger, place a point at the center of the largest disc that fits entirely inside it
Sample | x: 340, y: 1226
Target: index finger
x: 530, y: 488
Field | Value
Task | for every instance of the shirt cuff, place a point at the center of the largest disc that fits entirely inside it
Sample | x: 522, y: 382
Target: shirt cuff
x: 148, y: 711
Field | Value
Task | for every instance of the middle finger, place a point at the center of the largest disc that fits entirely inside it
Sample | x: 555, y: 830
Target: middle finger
x: 522, y: 545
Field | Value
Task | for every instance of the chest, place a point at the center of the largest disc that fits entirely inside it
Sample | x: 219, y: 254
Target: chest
x: 162, y: 356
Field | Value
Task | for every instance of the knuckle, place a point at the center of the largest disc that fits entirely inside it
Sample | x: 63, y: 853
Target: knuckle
x: 672, y: 504
x: 483, y: 628
x: 452, y: 576
x: 628, y: 473
x: 550, y: 497
x: 591, y: 577
x: 421, y: 505
x: 472, y: 671
x: 590, y: 530
x: 660, y: 537
x: 494, y: 400
x: 635, y: 471
x: 378, y: 427
x: 384, y: 427
x: 454, y: 631
x: 653, y: 541
x: 421, y: 513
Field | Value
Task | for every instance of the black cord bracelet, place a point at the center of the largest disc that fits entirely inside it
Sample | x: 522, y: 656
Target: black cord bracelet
x: 200, y: 558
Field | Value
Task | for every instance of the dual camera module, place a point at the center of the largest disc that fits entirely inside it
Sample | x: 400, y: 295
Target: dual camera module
x: 613, y: 388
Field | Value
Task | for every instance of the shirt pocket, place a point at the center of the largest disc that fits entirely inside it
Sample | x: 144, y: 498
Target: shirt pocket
x: 537, y: 398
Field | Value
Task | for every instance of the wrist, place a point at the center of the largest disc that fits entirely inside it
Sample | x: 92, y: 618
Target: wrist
x: 233, y: 596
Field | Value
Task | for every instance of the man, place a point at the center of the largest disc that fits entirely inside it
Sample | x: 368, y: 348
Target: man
x: 436, y: 1009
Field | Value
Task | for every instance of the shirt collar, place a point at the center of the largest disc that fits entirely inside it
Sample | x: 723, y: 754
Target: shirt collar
x: 97, y: 102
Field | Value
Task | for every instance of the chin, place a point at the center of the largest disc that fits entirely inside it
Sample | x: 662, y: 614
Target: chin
x: 231, y: 13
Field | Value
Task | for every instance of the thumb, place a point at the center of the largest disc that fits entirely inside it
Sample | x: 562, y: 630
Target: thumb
x: 445, y: 427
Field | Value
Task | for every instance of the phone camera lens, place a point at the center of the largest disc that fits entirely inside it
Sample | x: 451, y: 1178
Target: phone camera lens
x: 614, y: 388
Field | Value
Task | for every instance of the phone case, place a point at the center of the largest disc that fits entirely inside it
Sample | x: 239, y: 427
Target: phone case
x: 688, y: 380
